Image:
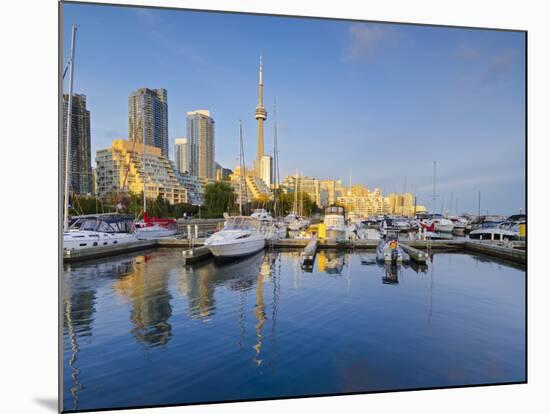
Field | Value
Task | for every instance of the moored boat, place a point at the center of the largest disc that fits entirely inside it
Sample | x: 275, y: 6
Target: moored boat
x: 97, y: 230
x: 155, y: 228
x: 489, y: 230
x: 240, y: 236
x: 335, y: 222
x: 389, y: 251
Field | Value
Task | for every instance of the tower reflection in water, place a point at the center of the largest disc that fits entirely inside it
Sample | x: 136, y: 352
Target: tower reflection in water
x: 199, y: 283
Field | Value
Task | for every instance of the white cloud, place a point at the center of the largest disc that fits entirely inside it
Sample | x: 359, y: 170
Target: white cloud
x: 365, y: 39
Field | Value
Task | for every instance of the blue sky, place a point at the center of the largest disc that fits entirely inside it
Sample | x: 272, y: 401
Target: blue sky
x: 384, y: 100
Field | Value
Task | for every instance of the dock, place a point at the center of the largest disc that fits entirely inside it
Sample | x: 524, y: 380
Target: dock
x: 514, y: 254
x: 419, y: 250
x: 418, y: 256
x: 104, y: 251
x: 308, y: 255
x: 196, y: 254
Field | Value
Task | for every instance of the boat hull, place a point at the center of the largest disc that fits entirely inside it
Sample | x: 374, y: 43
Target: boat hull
x: 154, y: 232
x: 83, y: 240
x: 493, y: 235
x: 236, y: 248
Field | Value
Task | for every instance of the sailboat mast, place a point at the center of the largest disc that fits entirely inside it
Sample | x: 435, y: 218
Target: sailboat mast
x: 433, y: 195
x: 275, y: 160
x: 241, y: 168
x: 69, y: 127
x: 301, y: 196
x: 143, y: 154
x: 296, y: 193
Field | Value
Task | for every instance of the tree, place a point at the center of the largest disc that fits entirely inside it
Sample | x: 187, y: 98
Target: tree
x: 285, y: 203
x: 218, y: 198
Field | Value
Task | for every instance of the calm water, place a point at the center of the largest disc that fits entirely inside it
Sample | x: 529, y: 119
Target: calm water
x: 144, y: 329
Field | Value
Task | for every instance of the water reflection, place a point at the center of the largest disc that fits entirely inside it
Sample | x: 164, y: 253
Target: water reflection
x: 391, y: 276
x: 240, y: 330
x: 79, y: 308
x: 331, y: 261
x: 147, y: 291
x: 198, y: 283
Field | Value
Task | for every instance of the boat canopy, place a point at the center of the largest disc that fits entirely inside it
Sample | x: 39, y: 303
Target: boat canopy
x: 104, y: 223
x: 241, y: 223
x: 337, y: 210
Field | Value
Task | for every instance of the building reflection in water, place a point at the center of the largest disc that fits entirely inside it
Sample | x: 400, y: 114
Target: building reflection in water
x: 146, y: 287
x: 330, y: 261
x: 79, y: 300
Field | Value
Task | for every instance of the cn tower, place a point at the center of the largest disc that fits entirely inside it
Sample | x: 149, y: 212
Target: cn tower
x: 261, y: 116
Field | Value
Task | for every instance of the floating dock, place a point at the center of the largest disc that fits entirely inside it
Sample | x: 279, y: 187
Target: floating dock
x: 418, y: 256
x: 196, y: 254
x: 514, y: 254
x: 418, y: 249
x: 104, y: 251
x: 308, y: 255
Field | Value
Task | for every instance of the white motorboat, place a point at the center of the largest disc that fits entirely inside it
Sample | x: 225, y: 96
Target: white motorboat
x: 369, y: 234
x: 389, y: 251
x: 262, y: 214
x: 401, y: 224
x: 299, y: 223
x: 272, y: 230
x: 459, y: 224
x: 155, y: 228
x: 335, y: 222
x: 240, y: 236
x: 290, y: 217
x: 96, y: 230
x: 442, y: 224
x: 490, y: 230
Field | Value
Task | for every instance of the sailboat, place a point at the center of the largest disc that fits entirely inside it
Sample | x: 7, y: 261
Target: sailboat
x: 297, y: 221
x: 152, y: 227
x: 95, y: 230
x: 241, y: 235
x: 279, y: 225
x: 436, y: 226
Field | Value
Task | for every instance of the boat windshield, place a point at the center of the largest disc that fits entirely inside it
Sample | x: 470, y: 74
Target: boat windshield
x: 241, y: 223
x: 88, y: 224
x: 334, y: 210
x: 489, y: 224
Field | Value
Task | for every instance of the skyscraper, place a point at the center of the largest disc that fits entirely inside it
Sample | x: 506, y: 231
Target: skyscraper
x: 80, y: 172
x: 201, y: 139
x: 149, y: 108
x: 261, y: 116
x: 266, y: 170
x: 181, y: 155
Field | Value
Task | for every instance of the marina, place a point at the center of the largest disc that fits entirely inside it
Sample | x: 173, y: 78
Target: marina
x: 417, y: 249
x: 146, y: 328
x: 193, y: 275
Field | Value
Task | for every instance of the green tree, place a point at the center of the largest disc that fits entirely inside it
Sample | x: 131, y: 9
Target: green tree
x: 285, y: 203
x: 219, y: 197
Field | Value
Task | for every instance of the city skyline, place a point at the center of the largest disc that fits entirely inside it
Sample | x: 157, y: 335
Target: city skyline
x: 384, y: 99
